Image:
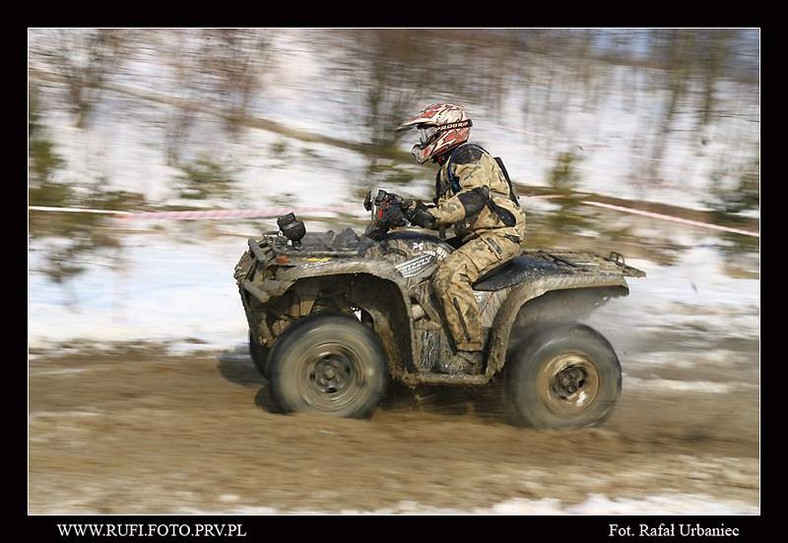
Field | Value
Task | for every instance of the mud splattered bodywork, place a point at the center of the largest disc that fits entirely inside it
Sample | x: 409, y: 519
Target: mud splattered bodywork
x: 386, y: 285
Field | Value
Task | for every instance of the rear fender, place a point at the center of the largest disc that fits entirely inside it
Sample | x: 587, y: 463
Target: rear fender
x: 546, y: 301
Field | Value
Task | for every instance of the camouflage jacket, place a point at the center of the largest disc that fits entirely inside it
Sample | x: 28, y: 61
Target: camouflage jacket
x: 479, y: 178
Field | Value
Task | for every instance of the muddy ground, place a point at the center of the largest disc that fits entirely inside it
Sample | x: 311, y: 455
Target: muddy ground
x: 139, y: 430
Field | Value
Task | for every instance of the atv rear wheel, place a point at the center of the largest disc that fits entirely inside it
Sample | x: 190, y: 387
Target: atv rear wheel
x: 562, y: 378
x: 327, y: 364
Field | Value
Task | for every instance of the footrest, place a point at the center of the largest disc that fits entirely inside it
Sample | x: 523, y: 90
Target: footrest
x: 444, y: 379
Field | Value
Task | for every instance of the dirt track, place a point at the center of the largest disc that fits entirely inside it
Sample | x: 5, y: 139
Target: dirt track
x: 140, y: 431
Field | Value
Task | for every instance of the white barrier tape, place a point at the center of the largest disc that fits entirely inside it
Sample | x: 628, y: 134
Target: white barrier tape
x: 673, y: 219
x: 193, y: 215
x: 233, y: 213
x: 79, y: 210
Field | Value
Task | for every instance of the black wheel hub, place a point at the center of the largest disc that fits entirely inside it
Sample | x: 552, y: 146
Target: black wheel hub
x: 569, y: 381
x: 331, y: 374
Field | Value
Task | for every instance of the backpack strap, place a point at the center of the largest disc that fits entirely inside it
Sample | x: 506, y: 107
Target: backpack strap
x: 512, y: 193
x: 454, y: 183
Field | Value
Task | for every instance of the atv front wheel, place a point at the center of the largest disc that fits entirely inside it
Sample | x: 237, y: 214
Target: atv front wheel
x: 327, y: 364
x: 562, y: 378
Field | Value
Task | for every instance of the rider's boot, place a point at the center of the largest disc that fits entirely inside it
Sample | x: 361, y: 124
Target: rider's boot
x: 464, y: 362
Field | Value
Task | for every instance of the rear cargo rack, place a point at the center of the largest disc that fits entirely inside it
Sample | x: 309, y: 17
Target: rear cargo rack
x: 588, y: 261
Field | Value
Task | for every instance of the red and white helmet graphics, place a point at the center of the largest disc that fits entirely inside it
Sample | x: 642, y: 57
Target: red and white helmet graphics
x: 443, y: 126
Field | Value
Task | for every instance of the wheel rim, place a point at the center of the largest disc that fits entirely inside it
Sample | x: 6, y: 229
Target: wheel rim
x: 333, y: 377
x: 568, y: 384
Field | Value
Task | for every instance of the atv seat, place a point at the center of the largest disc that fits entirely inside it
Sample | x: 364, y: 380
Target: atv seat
x: 514, y: 272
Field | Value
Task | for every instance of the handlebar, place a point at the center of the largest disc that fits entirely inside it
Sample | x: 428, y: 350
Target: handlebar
x: 387, y: 210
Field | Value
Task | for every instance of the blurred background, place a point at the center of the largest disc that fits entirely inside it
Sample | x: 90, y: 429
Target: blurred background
x: 641, y: 141
x: 138, y: 120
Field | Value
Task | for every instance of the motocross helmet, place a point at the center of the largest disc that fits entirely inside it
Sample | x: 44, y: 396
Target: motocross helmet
x: 442, y: 127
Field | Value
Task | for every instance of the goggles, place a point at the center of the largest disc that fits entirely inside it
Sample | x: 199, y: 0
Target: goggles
x: 427, y: 134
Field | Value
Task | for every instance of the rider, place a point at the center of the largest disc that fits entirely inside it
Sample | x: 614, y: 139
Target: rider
x: 473, y: 194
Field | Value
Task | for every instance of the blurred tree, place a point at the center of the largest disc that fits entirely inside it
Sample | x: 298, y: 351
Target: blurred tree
x: 212, y: 70
x: 478, y: 66
x: 714, y: 50
x: 671, y: 49
x: 234, y: 59
x: 558, y: 75
x: 735, y: 185
x: 386, y: 72
x: 389, y: 71
x: 692, y: 59
x: 43, y: 160
x: 392, y: 73
x: 180, y: 52
x: 84, y: 58
x: 204, y: 179
x: 563, y: 178
x: 564, y: 175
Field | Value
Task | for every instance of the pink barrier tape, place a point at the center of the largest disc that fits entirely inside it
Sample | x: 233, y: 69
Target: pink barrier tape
x: 279, y: 211
x: 673, y: 219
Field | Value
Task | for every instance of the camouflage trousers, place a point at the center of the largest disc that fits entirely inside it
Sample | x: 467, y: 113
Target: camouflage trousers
x: 453, y: 279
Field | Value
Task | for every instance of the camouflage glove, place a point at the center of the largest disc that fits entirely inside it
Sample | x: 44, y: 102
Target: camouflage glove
x: 418, y: 214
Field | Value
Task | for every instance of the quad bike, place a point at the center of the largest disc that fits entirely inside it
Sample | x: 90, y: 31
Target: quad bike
x: 336, y: 317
